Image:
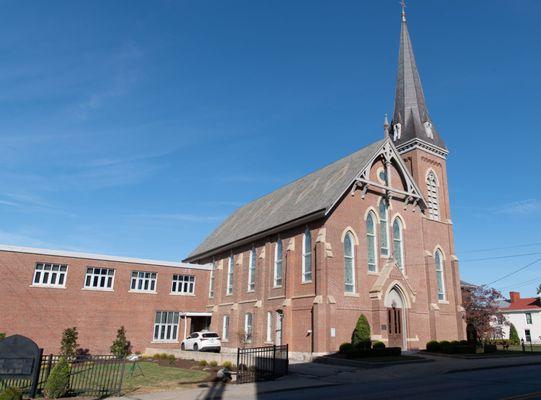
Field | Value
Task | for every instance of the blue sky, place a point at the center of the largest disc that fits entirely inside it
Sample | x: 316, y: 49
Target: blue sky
x: 134, y: 128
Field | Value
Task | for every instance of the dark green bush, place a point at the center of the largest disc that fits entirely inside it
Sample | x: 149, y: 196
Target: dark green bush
x: 455, y: 342
x: 2, y: 335
x: 513, y: 336
x: 434, y: 346
x: 121, y: 347
x: 464, y: 342
x: 378, y: 345
x: 346, y: 348
x: 11, y: 393
x: 58, y: 381
x: 69, y: 345
x: 445, y: 343
x: 489, y: 348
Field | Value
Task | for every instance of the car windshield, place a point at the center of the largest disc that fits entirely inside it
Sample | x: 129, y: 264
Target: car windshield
x: 210, y: 335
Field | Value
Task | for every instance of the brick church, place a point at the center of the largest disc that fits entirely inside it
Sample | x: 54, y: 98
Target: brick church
x: 368, y: 234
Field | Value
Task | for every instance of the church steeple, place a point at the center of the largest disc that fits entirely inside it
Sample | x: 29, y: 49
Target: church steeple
x: 411, y: 122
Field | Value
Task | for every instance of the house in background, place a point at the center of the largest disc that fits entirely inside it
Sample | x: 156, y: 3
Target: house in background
x: 525, y: 315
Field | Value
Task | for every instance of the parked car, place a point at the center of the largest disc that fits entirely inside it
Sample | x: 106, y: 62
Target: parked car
x: 202, y: 341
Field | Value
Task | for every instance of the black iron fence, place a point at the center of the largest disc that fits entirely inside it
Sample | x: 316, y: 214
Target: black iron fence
x: 90, y: 375
x: 262, y: 363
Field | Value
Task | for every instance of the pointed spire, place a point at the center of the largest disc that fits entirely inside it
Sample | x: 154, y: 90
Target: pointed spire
x: 386, y: 126
x: 411, y: 119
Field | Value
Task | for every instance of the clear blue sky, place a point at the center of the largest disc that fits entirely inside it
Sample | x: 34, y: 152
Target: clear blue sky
x: 135, y: 127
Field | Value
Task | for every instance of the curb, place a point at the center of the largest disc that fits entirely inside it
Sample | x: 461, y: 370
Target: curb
x: 453, y: 371
x: 321, y: 385
x: 366, y: 364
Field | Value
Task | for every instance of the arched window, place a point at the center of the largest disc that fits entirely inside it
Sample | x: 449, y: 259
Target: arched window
x: 307, y: 256
x: 398, y: 243
x: 251, y: 270
x: 438, y: 259
x: 384, y: 227
x: 248, y: 327
x: 349, y: 263
x: 278, y: 255
x: 371, y: 241
x: 433, y: 196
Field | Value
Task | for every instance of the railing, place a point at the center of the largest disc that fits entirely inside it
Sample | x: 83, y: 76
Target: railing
x: 90, y: 375
x: 262, y: 363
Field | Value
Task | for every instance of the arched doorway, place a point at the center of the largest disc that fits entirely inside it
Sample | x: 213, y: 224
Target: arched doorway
x: 396, y: 318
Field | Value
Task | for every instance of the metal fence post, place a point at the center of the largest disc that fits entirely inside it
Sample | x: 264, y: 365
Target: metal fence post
x: 273, y: 361
x: 239, y: 373
x: 35, y: 375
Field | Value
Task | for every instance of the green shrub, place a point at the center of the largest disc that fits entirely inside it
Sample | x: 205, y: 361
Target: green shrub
x: 361, y: 334
x: 203, y: 363
x: 2, y: 335
x: 433, y: 346
x: 213, y: 364
x: 455, y: 342
x: 68, y: 344
x: 489, y: 348
x: 11, y: 393
x: 464, y: 342
x: 513, y: 336
x: 227, y: 364
x: 378, y: 345
x: 346, y: 348
x: 58, y: 381
x: 171, y: 358
x: 121, y: 347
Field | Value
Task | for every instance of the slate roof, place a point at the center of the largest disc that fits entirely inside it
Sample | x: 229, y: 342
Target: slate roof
x: 410, y: 106
x: 316, y: 192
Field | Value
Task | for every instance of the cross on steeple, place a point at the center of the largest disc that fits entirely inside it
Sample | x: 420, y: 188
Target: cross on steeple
x: 403, y: 4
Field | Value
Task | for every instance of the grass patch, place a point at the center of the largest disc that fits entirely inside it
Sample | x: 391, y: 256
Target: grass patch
x: 536, y: 348
x: 156, y: 377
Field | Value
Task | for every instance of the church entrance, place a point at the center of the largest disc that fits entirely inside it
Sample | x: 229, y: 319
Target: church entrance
x: 396, y: 318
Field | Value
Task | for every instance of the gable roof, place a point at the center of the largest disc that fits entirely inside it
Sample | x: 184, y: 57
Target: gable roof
x: 307, y: 198
x: 526, y: 303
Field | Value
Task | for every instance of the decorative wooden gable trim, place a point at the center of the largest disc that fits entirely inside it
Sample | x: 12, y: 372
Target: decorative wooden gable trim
x: 388, y: 153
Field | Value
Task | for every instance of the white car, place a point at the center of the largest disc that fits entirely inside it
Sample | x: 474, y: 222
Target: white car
x: 202, y: 341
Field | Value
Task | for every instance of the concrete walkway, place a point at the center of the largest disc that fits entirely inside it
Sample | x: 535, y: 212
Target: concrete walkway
x: 314, y: 375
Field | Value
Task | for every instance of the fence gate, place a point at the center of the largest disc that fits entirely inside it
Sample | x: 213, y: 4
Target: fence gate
x: 262, y: 363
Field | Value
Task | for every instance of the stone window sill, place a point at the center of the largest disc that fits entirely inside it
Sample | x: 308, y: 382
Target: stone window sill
x: 347, y: 294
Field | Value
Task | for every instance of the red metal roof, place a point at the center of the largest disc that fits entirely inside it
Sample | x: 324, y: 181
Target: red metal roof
x: 527, y: 303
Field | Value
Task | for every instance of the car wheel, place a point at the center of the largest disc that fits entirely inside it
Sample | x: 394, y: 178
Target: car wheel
x: 218, y: 350
x: 182, y: 347
x: 195, y: 347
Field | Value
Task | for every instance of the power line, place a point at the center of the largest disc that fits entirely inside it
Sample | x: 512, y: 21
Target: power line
x: 501, y: 248
x: 515, y: 271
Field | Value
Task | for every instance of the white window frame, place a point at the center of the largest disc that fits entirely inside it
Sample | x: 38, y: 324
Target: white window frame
x: 252, y: 262
x: 225, y: 328
x: 400, y: 243
x: 349, y: 236
x: 278, y: 262
x: 528, y: 318
x: 374, y: 238
x: 269, y: 327
x: 440, y: 272
x: 230, y: 272
x: 141, y: 279
x: 212, y: 279
x: 45, y: 273
x: 384, y: 227
x: 307, y: 256
x: 169, y: 328
x: 248, y: 327
x: 183, y: 285
x: 110, y: 278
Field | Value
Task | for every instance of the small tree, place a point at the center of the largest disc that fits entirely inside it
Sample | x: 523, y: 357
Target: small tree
x: 361, y: 334
x: 121, y: 347
x: 68, y: 345
x: 58, y: 381
x: 482, y: 311
x: 513, y: 336
x: 539, y: 289
x: 2, y: 335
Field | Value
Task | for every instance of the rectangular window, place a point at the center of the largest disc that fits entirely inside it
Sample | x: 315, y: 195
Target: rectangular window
x: 528, y: 335
x: 183, y: 284
x: 142, y: 281
x: 166, y: 326
x: 230, y: 272
x: 529, y: 318
x: 251, y: 270
x: 50, y: 275
x: 248, y: 327
x: 269, y: 327
x: 99, y: 278
x: 211, y: 282
x: 225, y: 328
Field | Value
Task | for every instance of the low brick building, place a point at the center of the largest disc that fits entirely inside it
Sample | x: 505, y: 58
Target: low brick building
x: 46, y: 291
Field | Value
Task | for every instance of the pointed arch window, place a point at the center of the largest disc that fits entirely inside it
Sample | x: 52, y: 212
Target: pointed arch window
x: 371, y: 241
x: 438, y: 260
x: 349, y: 263
x: 433, y: 196
x: 230, y: 274
x: 398, y: 243
x: 384, y: 227
x: 307, y: 256
x: 251, y: 270
x: 278, y: 260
